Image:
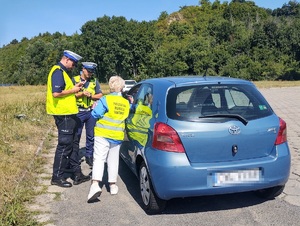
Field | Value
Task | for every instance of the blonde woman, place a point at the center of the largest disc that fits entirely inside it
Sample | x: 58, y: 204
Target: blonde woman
x: 111, y: 111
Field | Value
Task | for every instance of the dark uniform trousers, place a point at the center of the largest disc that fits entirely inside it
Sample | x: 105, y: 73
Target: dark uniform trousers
x: 67, y: 150
x: 87, y: 119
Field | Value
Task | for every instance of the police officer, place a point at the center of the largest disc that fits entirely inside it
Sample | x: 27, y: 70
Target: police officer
x: 61, y: 103
x: 89, y: 93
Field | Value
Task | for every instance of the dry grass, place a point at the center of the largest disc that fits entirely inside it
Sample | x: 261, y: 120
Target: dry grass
x: 23, y: 124
x: 273, y: 84
x: 104, y: 88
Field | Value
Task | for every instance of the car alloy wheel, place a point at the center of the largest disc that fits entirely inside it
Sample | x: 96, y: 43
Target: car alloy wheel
x: 151, y: 203
x: 144, y: 185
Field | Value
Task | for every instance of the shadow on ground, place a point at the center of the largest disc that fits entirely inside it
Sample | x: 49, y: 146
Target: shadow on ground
x: 192, y: 204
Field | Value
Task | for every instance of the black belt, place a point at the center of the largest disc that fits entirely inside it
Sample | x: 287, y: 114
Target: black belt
x: 84, y: 109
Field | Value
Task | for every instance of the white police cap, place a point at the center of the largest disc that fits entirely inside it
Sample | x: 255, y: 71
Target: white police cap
x: 73, y: 56
x: 90, y: 66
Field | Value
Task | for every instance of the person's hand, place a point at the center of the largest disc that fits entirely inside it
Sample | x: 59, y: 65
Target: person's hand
x: 87, y: 94
x: 130, y: 98
x: 76, y: 89
x: 80, y: 84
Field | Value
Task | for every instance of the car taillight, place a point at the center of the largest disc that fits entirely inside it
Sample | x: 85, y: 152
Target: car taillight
x: 165, y: 138
x: 282, y: 133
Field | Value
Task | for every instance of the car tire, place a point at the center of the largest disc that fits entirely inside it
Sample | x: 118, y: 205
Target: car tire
x: 151, y: 203
x: 270, y: 193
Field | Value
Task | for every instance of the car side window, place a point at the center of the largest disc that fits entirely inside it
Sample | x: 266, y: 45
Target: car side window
x: 144, y: 96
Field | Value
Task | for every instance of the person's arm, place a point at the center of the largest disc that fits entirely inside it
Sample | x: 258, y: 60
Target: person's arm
x: 98, y: 92
x: 63, y: 93
x: 96, y: 96
x: 100, y: 109
x: 58, y: 85
x: 78, y: 94
x: 88, y: 94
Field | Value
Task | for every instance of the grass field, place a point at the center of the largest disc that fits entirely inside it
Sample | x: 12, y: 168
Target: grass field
x: 24, y: 127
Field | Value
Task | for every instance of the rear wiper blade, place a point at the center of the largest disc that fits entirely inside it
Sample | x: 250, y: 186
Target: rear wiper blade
x: 239, y: 117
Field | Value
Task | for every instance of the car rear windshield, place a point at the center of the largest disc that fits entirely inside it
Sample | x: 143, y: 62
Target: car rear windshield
x: 194, y: 103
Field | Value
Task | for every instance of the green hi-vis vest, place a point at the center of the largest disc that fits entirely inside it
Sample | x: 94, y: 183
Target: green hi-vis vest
x: 138, y: 127
x: 112, y: 125
x: 86, y: 102
x: 65, y: 105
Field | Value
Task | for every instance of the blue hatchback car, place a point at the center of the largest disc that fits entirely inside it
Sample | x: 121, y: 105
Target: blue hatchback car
x: 195, y: 136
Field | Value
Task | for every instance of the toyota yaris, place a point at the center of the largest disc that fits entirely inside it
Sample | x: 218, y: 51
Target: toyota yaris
x: 195, y: 136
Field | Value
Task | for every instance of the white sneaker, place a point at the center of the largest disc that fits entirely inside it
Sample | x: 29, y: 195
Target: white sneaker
x: 95, y: 192
x: 114, y: 189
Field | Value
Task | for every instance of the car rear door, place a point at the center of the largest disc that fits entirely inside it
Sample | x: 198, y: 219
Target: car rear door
x: 215, y: 140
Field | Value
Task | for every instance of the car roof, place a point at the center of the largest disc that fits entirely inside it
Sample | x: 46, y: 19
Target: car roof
x: 176, y: 81
x: 195, y: 79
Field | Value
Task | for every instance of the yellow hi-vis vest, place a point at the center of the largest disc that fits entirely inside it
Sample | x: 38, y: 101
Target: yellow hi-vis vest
x: 138, y: 127
x: 112, y: 125
x: 60, y: 105
x: 86, y: 102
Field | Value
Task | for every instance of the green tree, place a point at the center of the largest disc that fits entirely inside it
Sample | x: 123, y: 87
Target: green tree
x: 237, y: 39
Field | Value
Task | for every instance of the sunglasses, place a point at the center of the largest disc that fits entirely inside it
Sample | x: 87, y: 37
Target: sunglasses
x: 74, y: 64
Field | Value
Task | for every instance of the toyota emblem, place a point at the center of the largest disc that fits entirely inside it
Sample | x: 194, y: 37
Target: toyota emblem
x: 234, y: 130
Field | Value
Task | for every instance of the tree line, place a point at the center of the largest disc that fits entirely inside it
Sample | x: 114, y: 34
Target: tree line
x: 236, y: 39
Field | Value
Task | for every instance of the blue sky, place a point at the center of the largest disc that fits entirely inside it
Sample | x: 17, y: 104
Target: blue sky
x: 21, y: 18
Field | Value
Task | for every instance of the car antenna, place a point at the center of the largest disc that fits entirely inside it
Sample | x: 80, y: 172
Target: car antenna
x: 205, y: 72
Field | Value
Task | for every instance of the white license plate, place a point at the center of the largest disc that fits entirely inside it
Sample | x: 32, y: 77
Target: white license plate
x: 237, y: 177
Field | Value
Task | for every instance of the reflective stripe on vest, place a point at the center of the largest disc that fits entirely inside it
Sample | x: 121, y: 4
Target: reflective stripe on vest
x: 137, y: 131
x: 65, y: 105
x: 112, y: 121
x: 112, y: 125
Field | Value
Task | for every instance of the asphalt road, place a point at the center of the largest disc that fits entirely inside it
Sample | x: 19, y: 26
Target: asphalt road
x: 68, y: 206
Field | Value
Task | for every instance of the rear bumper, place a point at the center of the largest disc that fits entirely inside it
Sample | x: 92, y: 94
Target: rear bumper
x: 173, y: 176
